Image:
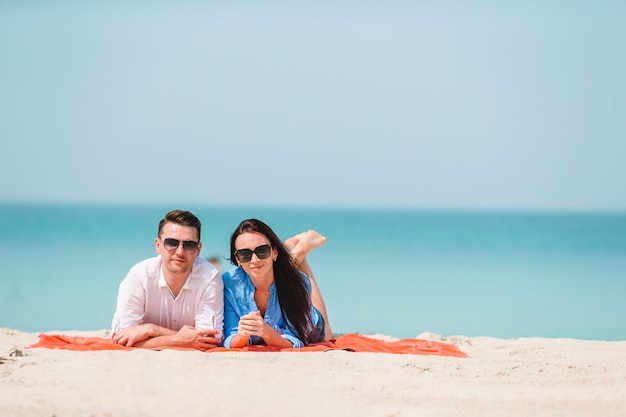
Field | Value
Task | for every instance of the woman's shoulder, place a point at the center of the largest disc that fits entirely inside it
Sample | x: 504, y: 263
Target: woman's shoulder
x: 304, y: 276
x: 234, y: 276
x: 307, y: 281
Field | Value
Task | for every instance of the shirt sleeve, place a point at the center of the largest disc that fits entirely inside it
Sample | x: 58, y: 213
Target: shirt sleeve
x: 231, y: 322
x: 131, y: 300
x: 210, y: 312
x: 297, y: 343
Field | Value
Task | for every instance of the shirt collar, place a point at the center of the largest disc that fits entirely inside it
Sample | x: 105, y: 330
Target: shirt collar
x: 163, y: 283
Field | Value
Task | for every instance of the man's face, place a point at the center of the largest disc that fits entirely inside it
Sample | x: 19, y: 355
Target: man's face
x: 177, y: 260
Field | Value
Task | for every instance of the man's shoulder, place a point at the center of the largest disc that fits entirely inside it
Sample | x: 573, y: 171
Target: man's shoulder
x: 203, y: 269
x: 148, y: 267
x: 144, y: 273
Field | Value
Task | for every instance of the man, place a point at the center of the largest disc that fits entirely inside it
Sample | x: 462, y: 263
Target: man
x: 174, y: 299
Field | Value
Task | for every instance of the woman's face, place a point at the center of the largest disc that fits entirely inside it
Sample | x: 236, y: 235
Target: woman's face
x: 258, y: 269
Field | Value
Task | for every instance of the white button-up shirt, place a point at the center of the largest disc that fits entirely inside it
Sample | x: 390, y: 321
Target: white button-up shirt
x: 144, y: 297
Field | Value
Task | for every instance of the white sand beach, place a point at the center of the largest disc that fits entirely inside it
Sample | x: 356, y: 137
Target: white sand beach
x: 513, y: 377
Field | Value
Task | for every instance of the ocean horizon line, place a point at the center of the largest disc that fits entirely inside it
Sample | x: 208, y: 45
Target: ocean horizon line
x: 313, y: 207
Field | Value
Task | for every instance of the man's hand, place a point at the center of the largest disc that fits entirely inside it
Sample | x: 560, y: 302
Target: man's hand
x: 198, y: 339
x: 135, y: 334
x: 152, y: 336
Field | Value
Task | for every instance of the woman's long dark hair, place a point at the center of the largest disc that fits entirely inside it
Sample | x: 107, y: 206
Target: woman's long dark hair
x: 293, y: 298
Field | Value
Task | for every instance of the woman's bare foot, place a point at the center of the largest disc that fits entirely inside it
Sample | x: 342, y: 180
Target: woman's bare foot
x: 293, y: 241
x: 306, y: 243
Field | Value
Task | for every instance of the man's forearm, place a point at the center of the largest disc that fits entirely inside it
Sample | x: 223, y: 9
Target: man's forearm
x: 160, y: 341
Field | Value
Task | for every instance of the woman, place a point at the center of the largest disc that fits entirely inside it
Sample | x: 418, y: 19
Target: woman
x: 271, y: 297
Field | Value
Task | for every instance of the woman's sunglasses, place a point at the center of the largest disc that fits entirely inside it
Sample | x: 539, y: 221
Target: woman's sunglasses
x: 262, y: 252
x: 171, y: 244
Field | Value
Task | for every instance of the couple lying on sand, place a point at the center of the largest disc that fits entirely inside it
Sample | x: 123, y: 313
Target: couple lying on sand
x: 179, y: 299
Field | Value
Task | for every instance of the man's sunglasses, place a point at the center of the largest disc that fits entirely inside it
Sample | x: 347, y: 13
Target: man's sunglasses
x: 262, y: 252
x: 172, y: 244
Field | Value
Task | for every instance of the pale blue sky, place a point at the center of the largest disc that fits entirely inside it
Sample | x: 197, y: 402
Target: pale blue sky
x: 424, y: 104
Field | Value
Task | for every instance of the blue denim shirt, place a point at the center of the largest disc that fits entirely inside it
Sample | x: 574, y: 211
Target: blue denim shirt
x: 239, y: 300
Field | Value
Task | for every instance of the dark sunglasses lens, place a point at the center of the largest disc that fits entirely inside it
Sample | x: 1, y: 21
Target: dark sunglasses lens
x: 244, y: 255
x: 263, y: 252
x: 171, y: 244
x: 190, y: 246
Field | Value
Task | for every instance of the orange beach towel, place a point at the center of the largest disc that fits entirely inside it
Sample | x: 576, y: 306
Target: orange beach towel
x: 350, y: 342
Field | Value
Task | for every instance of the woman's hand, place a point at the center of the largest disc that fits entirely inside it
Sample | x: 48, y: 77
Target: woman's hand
x: 251, y: 324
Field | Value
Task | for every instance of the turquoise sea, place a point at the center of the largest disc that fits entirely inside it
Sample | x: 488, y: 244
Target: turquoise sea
x: 393, y: 272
